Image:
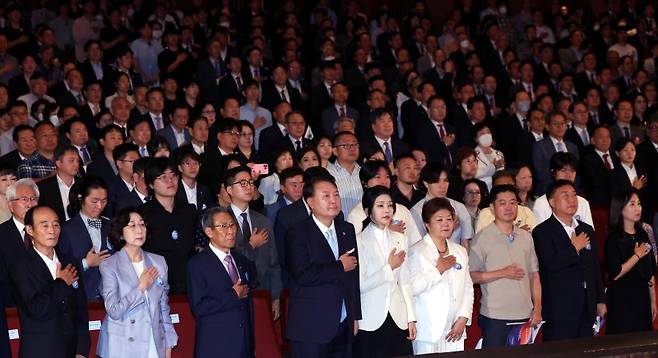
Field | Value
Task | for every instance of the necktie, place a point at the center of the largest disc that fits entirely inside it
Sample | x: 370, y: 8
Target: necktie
x: 238, y: 80
x: 283, y: 96
x: 387, y: 152
x: 95, y: 223
x: 215, y: 66
x: 246, y: 230
x: 492, y: 103
x: 595, y: 118
x: 606, y: 163
x: 584, y: 137
x: 560, y: 147
x: 143, y: 153
x: 147, y: 199
x: 591, y: 77
x: 333, y: 243
x: 232, y: 272
x: 27, y: 240
x: 158, y: 122
x: 442, y: 130
x: 342, y: 111
x: 627, y: 132
x: 85, y: 155
x: 298, y: 145
x: 256, y: 73
x: 81, y: 100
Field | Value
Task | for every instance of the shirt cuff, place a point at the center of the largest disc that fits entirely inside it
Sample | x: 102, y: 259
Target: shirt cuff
x: 85, y: 265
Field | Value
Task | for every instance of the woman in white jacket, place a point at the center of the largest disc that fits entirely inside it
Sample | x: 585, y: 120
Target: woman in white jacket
x: 489, y: 159
x: 388, y: 321
x: 441, y: 285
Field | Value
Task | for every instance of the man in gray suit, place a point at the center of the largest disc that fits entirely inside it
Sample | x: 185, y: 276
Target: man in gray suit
x: 543, y: 150
x: 623, y: 128
x: 340, y: 109
x: 176, y: 134
x: 255, y: 238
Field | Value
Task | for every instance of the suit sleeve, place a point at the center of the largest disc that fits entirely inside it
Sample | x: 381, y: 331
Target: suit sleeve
x: 275, y: 268
x: 82, y: 319
x: 551, y: 258
x: 39, y: 302
x: 171, y: 338
x: 117, y: 306
x: 202, y: 301
x: 598, y: 277
x: 300, y: 266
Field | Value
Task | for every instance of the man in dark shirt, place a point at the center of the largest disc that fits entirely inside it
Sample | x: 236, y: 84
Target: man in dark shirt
x: 171, y: 223
x: 404, y: 190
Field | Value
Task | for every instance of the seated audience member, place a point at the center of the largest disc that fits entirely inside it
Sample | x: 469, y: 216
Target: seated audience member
x: 270, y: 185
x: 42, y: 277
x: 84, y: 237
x: 220, y: 274
x: 465, y: 167
x: 26, y: 146
x: 630, y: 266
x: 255, y: 237
x: 571, y: 280
x: 563, y: 167
x: 525, y: 219
x: 441, y: 286
x: 388, y: 321
x: 7, y: 178
x: 173, y: 235
x: 135, y: 291
x: 103, y: 165
x: 502, y: 260
x: 472, y: 199
x: 345, y: 170
x: 42, y: 163
x: 383, y: 138
x: 405, y: 190
x: 435, y: 179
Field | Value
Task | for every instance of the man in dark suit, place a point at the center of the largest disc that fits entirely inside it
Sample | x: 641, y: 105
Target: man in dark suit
x: 21, y: 196
x: 210, y: 71
x: 623, y: 128
x: 279, y: 90
x: 414, y: 111
x: 45, y: 276
x: 321, y: 253
x: 120, y: 185
x: 84, y: 237
x: 139, y: 194
x: 295, y: 140
x: 219, y: 274
x: 272, y: 136
x: 321, y: 94
x: 227, y: 134
x: 177, y: 129
x: 543, y: 150
x: 571, y: 281
x: 94, y: 69
x: 69, y: 91
x: 436, y: 137
x: 231, y: 85
x: 25, y: 142
x: 155, y: 103
x: 189, y: 189
x: 580, y: 132
x: 339, y: 109
x: 383, y: 127
x: 55, y: 189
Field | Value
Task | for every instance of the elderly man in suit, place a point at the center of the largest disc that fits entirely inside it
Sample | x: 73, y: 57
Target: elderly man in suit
x: 255, y: 233
x: 25, y: 143
x: 45, y: 276
x: 623, y: 128
x: 321, y: 252
x: 176, y: 133
x: 219, y: 291
x: 543, y: 150
x: 571, y: 281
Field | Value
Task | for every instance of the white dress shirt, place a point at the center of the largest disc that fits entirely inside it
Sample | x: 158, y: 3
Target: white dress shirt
x: 52, y: 264
x: 609, y: 160
x: 20, y: 226
x: 64, y: 193
x: 542, y: 210
x: 221, y: 255
x: 190, y: 193
x: 555, y: 144
x: 630, y: 172
x: 198, y: 149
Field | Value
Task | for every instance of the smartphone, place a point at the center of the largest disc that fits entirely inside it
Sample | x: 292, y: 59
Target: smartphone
x: 259, y: 169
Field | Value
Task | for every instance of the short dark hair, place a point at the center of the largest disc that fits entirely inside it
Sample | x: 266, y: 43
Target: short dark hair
x: 498, y: 189
x: 62, y: 149
x: 557, y: 184
x: 119, y: 221
x: 433, y: 205
x: 368, y: 202
x: 561, y: 160
x: 379, y: 113
x: 193, y: 120
x: 231, y: 174
x: 290, y: 173
x: 112, y: 128
x: 119, y: 153
x: 156, y: 167
x: 139, y: 166
x: 309, y: 186
x: 370, y: 169
x: 187, y: 154
x: 80, y: 190
x: 20, y: 128
x: 431, y: 173
x: 226, y: 124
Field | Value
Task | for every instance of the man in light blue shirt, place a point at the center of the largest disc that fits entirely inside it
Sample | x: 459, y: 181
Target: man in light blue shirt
x: 251, y: 111
x: 146, y: 50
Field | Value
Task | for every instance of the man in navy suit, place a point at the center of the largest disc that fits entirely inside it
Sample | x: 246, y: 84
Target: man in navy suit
x: 383, y: 138
x: 219, y: 292
x: 321, y: 252
x: 572, y: 286
x: 176, y: 133
x: 436, y: 137
x: 543, y: 150
x: 339, y: 109
x: 84, y: 237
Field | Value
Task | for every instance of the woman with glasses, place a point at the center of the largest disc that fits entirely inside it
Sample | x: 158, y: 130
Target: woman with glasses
x: 246, y: 143
x: 173, y: 236
x: 135, y: 294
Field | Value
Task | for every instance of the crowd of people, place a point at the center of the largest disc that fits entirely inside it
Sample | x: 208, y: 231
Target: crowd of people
x: 380, y: 168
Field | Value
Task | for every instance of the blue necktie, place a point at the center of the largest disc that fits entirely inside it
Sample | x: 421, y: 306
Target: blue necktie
x: 387, y: 152
x: 333, y: 243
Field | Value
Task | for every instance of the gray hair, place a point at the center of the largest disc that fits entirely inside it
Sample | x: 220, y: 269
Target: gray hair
x: 11, y: 190
x: 208, y: 215
x: 344, y: 119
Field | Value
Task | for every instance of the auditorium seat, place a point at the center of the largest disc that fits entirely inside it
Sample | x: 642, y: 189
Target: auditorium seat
x: 265, y: 337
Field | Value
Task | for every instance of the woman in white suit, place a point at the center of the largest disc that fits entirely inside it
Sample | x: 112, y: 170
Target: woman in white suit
x: 441, y: 285
x: 489, y: 159
x: 388, y: 322
x: 135, y: 292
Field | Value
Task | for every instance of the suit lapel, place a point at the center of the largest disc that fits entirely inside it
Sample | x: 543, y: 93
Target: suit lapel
x: 223, y: 274
x: 40, y: 268
x: 323, y: 239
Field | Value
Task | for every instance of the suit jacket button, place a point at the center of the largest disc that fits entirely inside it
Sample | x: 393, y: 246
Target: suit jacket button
x: 132, y: 321
x: 130, y: 339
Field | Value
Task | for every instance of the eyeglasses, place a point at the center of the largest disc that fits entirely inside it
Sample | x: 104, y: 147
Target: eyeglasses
x: 244, y: 183
x: 191, y: 163
x: 231, y: 132
x: 472, y: 192
x: 169, y: 177
x: 348, y: 146
x: 27, y: 199
x: 246, y: 134
x: 228, y: 226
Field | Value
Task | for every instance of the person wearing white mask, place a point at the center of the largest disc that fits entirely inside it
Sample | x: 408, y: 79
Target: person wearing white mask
x: 489, y: 159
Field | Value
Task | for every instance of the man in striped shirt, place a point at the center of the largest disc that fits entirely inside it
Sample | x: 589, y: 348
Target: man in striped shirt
x: 346, y: 171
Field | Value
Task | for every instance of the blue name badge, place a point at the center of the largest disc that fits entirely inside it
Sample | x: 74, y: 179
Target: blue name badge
x: 174, y: 235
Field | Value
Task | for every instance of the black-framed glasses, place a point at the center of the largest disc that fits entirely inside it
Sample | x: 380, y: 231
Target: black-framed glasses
x: 231, y: 132
x: 348, y: 146
x: 245, y: 183
x: 227, y: 226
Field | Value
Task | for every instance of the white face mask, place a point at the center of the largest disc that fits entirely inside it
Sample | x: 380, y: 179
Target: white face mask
x: 502, y: 10
x: 485, y: 140
x: 157, y: 34
x: 465, y: 43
